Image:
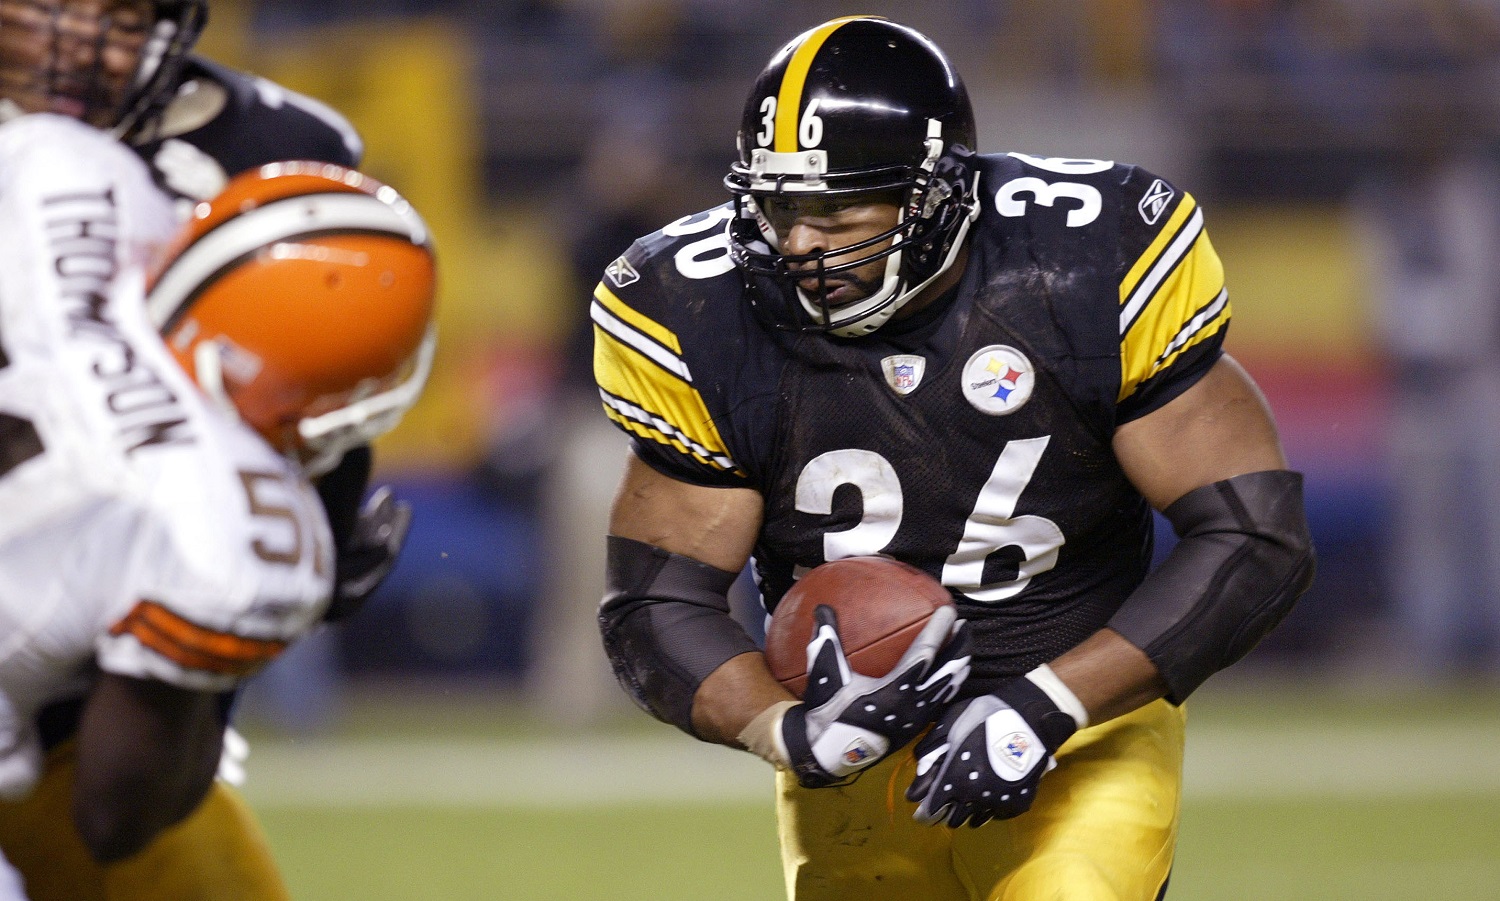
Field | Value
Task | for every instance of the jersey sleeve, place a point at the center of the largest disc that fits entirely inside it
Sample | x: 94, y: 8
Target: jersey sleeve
x: 645, y: 381
x: 1174, y: 305
x: 220, y: 577
x: 303, y: 125
x: 154, y: 640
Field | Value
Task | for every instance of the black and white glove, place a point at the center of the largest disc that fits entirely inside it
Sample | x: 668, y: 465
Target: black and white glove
x: 363, y: 561
x: 848, y: 722
x: 984, y: 758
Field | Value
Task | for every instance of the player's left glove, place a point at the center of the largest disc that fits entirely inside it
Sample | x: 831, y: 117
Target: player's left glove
x: 370, y: 552
x: 985, y: 756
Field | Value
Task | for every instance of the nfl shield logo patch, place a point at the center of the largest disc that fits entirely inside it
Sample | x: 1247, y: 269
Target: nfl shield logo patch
x: 903, y: 372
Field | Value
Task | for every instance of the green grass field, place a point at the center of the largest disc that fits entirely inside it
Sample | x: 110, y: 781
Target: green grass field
x: 1293, y: 797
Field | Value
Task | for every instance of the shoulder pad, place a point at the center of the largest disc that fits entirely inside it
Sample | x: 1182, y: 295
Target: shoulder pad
x: 245, y: 91
x: 223, y: 122
x: 1142, y: 235
x: 673, y: 294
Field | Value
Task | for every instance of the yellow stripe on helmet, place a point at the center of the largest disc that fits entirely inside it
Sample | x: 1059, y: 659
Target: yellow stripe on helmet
x: 789, y: 99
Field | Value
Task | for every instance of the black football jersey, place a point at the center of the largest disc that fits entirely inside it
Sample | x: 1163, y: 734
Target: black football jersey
x: 972, y: 439
x: 222, y: 122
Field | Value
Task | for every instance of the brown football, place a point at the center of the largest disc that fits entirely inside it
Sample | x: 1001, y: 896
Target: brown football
x: 882, y: 605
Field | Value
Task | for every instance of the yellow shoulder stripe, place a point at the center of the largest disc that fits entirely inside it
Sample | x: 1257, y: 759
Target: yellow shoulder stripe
x: 1153, y: 253
x: 647, y: 389
x: 1189, y: 304
x: 628, y: 315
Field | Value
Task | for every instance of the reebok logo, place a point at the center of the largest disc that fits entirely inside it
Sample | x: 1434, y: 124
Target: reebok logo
x: 1158, y: 198
x: 622, y: 273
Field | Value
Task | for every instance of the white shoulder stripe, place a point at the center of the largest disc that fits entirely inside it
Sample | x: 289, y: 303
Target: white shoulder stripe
x: 635, y: 414
x: 627, y: 334
x: 1195, y: 325
x: 264, y: 226
x: 1160, y: 270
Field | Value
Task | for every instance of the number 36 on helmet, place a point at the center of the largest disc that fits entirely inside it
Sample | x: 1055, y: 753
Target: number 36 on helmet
x: 301, y: 299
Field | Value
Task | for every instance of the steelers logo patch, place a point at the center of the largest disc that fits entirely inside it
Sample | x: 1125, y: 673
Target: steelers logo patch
x: 998, y: 380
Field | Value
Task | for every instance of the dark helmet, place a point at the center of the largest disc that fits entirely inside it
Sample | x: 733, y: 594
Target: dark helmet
x: 855, y: 105
x: 178, y: 25
x: 128, y: 108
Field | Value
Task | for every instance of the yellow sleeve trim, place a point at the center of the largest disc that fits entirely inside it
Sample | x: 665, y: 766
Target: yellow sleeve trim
x: 1189, y: 303
x: 628, y: 315
x: 650, y: 393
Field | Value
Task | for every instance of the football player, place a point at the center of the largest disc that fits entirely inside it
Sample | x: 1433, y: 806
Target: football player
x: 990, y: 366
x: 126, y: 66
x: 163, y: 539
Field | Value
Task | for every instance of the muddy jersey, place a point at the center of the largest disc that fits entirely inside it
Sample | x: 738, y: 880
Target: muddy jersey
x: 145, y: 533
x: 972, y: 439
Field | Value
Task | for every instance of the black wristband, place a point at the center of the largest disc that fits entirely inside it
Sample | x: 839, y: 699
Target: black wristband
x: 1051, y: 724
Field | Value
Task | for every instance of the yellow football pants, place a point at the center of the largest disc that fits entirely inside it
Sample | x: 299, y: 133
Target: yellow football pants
x: 1103, y: 828
x: 217, y: 854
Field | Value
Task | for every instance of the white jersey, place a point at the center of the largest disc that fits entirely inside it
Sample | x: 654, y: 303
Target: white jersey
x: 142, y: 531
x: 12, y: 886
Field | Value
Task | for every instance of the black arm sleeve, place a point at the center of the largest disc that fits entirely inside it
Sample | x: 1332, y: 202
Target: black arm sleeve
x: 666, y: 626
x: 1244, y: 559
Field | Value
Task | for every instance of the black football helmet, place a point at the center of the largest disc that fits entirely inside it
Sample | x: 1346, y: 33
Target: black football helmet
x: 41, y: 62
x: 856, y: 105
x: 179, y: 23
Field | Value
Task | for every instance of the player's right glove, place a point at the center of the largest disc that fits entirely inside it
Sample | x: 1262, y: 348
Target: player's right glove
x: 848, y: 722
x: 369, y: 555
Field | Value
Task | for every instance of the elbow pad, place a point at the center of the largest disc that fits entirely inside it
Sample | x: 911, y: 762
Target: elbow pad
x: 1244, y: 558
x: 666, y: 626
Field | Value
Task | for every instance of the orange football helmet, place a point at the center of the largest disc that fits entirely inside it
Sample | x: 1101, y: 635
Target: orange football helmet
x: 301, y: 299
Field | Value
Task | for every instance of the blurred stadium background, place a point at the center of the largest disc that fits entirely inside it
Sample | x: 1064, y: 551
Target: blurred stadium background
x: 461, y: 739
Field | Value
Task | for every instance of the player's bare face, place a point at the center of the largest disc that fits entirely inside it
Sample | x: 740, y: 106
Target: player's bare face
x: 806, y: 225
x: 72, y: 57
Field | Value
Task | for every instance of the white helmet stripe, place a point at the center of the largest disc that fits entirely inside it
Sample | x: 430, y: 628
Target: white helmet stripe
x: 284, y: 220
